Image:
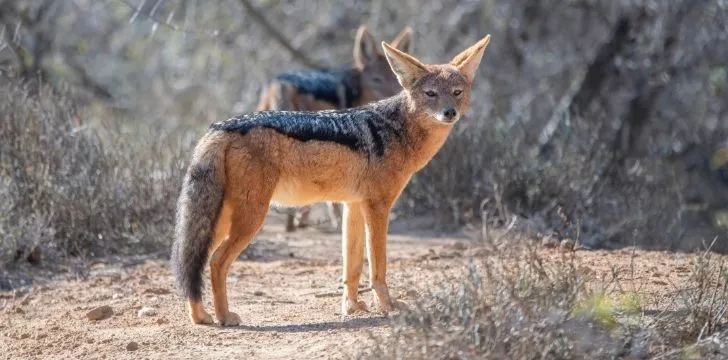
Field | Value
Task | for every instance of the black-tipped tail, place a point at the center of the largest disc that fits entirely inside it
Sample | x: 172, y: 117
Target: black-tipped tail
x: 198, y: 208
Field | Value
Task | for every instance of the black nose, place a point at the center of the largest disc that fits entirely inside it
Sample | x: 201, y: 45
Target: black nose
x: 450, y: 113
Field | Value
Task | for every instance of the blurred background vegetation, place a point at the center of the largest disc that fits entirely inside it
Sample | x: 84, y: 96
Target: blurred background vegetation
x: 602, y: 121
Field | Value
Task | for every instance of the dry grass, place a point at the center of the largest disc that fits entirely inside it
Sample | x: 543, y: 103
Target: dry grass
x: 71, y: 186
x: 512, y: 304
x: 509, y: 306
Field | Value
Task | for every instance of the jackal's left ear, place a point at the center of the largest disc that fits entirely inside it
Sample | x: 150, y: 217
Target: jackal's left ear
x: 467, y: 61
x: 365, y: 47
x: 407, y: 68
x: 403, y: 40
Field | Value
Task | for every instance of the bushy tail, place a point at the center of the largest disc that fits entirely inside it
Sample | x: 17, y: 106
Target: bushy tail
x: 199, y: 205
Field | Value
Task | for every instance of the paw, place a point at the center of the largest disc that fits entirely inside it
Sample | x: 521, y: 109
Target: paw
x: 202, y: 318
x: 230, y: 319
x: 349, y: 307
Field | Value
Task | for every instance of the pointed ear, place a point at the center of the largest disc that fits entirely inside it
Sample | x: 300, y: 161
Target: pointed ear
x: 407, y: 68
x: 403, y: 40
x: 365, y: 48
x: 467, y: 61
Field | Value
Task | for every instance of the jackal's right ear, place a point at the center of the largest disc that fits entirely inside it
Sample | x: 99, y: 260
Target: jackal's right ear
x: 365, y: 48
x: 403, y: 40
x: 406, y: 67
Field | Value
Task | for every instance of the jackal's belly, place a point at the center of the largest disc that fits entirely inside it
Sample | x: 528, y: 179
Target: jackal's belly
x: 299, y: 192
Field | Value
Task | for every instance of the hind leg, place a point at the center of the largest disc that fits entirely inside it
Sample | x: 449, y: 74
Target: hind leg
x: 290, y: 220
x: 198, y: 313
x: 305, y: 213
x: 335, y: 214
x: 248, y: 193
x: 248, y: 213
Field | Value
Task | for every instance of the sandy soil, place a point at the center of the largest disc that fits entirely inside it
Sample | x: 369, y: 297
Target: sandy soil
x: 285, y: 289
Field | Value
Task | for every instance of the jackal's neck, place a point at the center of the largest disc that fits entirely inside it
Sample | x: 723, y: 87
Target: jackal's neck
x: 425, y: 137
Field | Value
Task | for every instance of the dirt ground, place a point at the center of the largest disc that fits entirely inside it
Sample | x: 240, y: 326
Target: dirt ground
x: 285, y: 289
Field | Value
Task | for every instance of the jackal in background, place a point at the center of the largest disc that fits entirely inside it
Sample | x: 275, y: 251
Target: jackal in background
x: 368, y: 79
x: 362, y: 157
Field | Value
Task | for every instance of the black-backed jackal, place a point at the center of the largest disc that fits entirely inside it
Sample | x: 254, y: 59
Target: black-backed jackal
x: 362, y: 157
x: 368, y: 79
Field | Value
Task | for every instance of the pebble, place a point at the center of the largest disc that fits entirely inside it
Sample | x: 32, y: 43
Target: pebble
x: 100, y: 313
x: 146, y: 311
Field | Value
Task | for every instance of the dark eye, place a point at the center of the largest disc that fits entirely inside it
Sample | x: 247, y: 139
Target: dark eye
x: 430, y: 93
x: 457, y: 92
x: 377, y: 80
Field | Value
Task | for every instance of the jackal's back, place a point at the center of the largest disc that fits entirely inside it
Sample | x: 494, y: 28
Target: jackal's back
x: 368, y: 129
x: 335, y: 86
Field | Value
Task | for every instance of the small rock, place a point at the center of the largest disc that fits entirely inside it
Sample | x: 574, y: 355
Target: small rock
x: 24, y: 335
x: 460, y: 246
x: 146, y: 311
x: 117, y: 296
x: 100, y: 313
x: 549, y: 242
x: 162, y: 321
x: 19, y: 310
x: 258, y: 293
x: 567, y: 245
x: 132, y: 346
x: 41, y: 336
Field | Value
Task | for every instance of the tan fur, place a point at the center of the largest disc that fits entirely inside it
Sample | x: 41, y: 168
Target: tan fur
x: 282, y: 96
x: 265, y: 166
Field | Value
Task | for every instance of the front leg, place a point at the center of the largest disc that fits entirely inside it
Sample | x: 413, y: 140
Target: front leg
x: 353, y: 258
x: 376, y: 214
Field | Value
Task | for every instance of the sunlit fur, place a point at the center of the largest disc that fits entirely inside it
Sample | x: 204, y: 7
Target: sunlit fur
x: 362, y: 157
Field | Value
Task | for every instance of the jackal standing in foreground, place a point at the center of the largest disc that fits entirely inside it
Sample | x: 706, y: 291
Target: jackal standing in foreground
x: 368, y: 79
x: 361, y: 156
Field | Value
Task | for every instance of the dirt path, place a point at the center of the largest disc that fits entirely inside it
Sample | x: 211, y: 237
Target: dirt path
x: 277, y: 291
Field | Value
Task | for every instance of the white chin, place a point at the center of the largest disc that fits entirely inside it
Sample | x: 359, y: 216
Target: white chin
x: 444, y: 120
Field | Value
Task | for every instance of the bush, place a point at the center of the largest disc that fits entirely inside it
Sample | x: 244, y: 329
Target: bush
x: 507, y: 306
x: 74, y: 187
x: 512, y: 304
